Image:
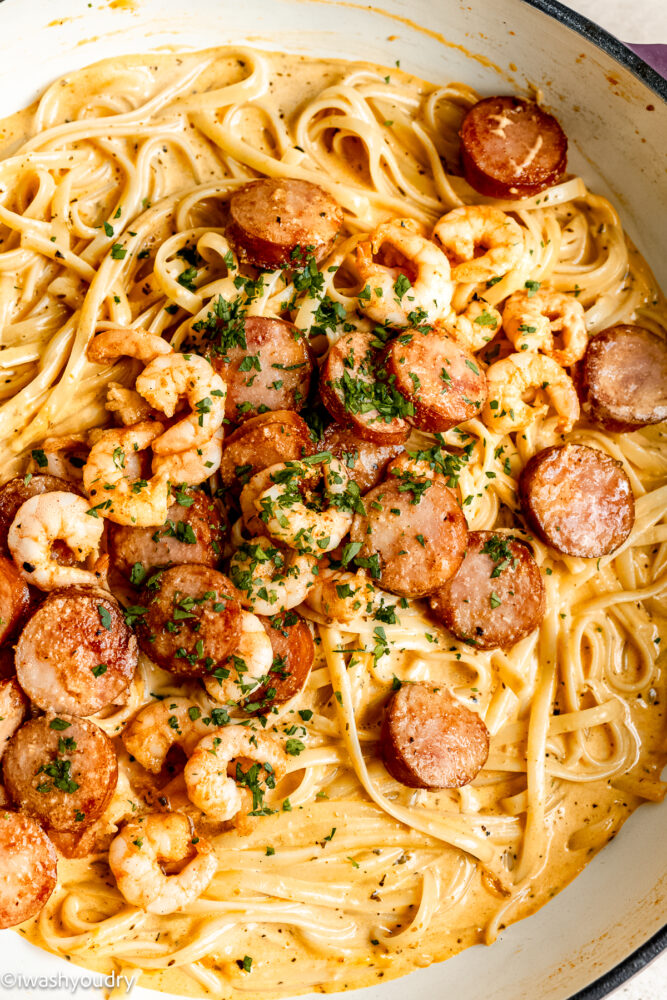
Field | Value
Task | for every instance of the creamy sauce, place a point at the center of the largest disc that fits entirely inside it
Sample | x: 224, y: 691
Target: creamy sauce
x: 587, y: 816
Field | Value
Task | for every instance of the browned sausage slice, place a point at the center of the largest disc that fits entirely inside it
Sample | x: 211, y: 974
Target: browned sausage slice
x: 578, y: 500
x: 16, y: 491
x: 76, y: 654
x: 193, y: 533
x: 192, y: 620
x: 413, y: 535
x: 511, y: 148
x: 443, y: 382
x: 14, y: 598
x: 293, y: 654
x: 270, y: 438
x: 28, y: 868
x: 13, y: 706
x: 497, y: 596
x: 269, y: 370
x: 364, y: 460
x: 622, y: 378
x: 61, y: 770
x: 356, y: 393
x: 94, y: 839
x: 277, y: 221
x: 430, y: 740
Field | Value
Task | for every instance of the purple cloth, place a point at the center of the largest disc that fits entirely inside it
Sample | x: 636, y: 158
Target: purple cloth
x: 654, y: 55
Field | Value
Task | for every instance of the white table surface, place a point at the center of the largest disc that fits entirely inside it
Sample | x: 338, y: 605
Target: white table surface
x: 638, y: 21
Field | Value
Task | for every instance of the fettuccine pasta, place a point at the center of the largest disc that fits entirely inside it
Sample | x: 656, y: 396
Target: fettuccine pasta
x: 113, y: 193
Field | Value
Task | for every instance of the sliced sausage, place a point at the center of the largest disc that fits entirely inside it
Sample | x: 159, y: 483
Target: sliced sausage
x: 192, y: 620
x: 271, y: 372
x: 28, y: 868
x: 16, y: 492
x: 61, y: 770
x: 268, y: 439
x: 93, y: 839
x: 443, y: 382
x: 13, y: 707
x: 14, y: 598
x: 293, y: 655
x: 76, y: 654
x: 413, y: 535
x: 622, y: 378
x: 365, y: 461
x: 510, y: 148
x: 277, y: 221
x: 497, y: 596
x: 356, y: 392
x: 193, y: 533
x: 430, y: 740
x: 578, y: 500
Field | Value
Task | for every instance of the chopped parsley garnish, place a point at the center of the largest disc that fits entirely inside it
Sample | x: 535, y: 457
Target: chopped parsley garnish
x: 402, y: 286
x: 59, y: 725
x: 105, y: 617
x: 501, y: 554
x: 225, y: 326
x: 380, y: 395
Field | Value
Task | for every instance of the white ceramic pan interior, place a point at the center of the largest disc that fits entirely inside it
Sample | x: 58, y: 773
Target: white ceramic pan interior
x: 617, y: 127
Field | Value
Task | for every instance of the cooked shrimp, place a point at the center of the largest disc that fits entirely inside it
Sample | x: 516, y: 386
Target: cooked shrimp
x: 269, y: 578
x: 137, y: 854
x: 111, y: 481
x: 409, y: 464
x: 162, y: 384
x: 341, y: 597
x: 126, y: 342
x: 532, y: 318
x: 42, y: 520
x: 193, y: 466
x: 206, y: 779
x: 414, y: 277
x: 465, y: 231
x: 161, y: 725
x: 249, y: 499
x: 128, y: 404
x: 62, y: 456
x: 475, y: 326
x: 236, y: 678
x: 520, y: 375
x: 288, y: 518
